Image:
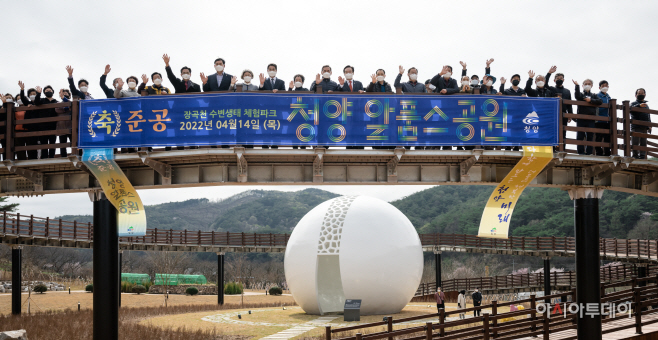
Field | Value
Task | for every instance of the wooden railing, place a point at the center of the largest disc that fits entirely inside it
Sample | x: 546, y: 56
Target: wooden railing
x: 566, y: 279
x: 533, y: 321
x: 620, y: 138
x: 32, y: 226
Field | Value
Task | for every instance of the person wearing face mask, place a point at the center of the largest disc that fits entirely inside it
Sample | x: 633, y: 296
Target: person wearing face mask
x: 48, y: 92
x: 541, y: 91
x: 271, y: 83
x: 640, y: 94
x: 602, y: 112
x: 109, y: 93
x: 82, y: 83
x: 26, y: 101
x: 65, y: 95
x: 219, y: 81
x: 487, y: 85
x: 328, y: 85
x: 591, y: 98
x: 247, y: 76
x: 465, y: 85
x: 181, y: 86
x: 443, y: 82
x: 119, y: 92
x: 477, y: 301
x: 412, y: 86
x: 515, y: 90
x: 562, y: 92
x: 378, y: 84
x: 157, y: 88
x: 440, y: 300
x: 348, y: 84
x: 297, y: 84
x: 475, y: 80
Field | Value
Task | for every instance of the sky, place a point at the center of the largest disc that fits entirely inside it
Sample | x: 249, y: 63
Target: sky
x: 609, y: 40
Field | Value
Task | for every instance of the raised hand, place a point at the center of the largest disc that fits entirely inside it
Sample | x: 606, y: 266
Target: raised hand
x: 145, y: 79
x: 401, y: 69
x: 204, y: 79
x: 119, y: 84
x: 69, y: 69
x: 531, y: 74
x: 503, y: 80
x: 489, y: 62
x: 21, y: 85
x: 552, y: 69
x: 575, y: 82
x: 463, y: 64
x: 341, y: 80
x: 317, y: 79
x: 38, y: 88
x: 107, y: 69
x: 444, y: 70
x: 2, y: 98
x: 234, y: 80
x: 166, y: 59
x: 292, y: 84
x: 374, y: 78
x: 262, y: 79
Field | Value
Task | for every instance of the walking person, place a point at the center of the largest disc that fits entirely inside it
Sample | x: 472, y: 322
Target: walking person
x: 477, y: 301
x: 461, y: 303
x: 440, y: 300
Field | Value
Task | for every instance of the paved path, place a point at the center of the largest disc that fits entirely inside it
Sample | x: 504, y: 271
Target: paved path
x: 301, y: 329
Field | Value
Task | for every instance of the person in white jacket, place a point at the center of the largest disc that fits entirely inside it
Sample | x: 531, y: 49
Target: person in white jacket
x: 461, y: 303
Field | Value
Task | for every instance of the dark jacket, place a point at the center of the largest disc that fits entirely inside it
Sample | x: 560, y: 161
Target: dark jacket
x: 586, y: 110
x: 539, y: 91
x: 327, y: 85
x: 450, y: 86
x: 477, y: 298
x: 179, y: 84
x: 75, y: 91
x: 643, y: 116
x: 44, y: 113
x: 356, y: 86
x: 153, y: 90
x: 278, y: 85
x: 484, y: 90
x: 298, y: 89
x: 563, y: 92
x: 108, y: 93
x: 510, y: 92
x: 409, y: 87
x: 377, y: 87
x: 212, y: 85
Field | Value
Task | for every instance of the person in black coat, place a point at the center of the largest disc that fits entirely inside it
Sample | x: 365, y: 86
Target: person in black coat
x: 181, y: 86
x: 348, y: 84
x: 109, y: 93
x: 324, y: 80
x: 640, y: 94
x: 220, y: 81
x: 272, y: 83
x: 82, y: 83
x: 477, y: 301
x: 564, y: 93
x: 46, y: 113
x: 541, y: 91
x: 593, y: 99
x: 444, y: 83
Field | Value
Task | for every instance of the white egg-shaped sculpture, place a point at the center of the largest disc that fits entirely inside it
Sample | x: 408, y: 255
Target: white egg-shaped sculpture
x: 354, y: 247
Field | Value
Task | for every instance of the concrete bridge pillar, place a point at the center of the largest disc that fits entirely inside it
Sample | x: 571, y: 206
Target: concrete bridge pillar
x: 16, y: 272
x: 547, y: 278
x: 220, y: 278
x: 437, y: 267
x: 106, y: 270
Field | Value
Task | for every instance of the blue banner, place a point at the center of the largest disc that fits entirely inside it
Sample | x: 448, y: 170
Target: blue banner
x: 318, y: 119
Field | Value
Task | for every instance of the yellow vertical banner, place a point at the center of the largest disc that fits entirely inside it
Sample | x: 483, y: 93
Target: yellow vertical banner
x: 498, y: 211
x: 117, y: 188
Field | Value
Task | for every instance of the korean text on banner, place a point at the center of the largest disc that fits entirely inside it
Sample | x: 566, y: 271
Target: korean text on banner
x: 117, y: 188
x: 498, y: 211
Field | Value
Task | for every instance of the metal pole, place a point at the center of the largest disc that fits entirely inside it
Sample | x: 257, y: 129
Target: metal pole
x: 16, y: 257
x: 586, y: 216
x: 437, y: 266
x: 547, y: 278
x: 641, y: 272
x: 106, y: 270
x: 120, y: 265
x: 220, y: 278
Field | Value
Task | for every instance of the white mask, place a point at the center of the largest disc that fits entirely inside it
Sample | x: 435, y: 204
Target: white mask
x: 540, y: 84
x: 349, y: 76
x: 432, y: 87
x: 83, y: 88
x: 157, y: 81
x: 272, y: 73
x: 380, y: 78
x: 474, y: 82
x: 298, y: 84
x: 247, y: 79
x: 413, y: 76
x: 490, y: 83
x: 19, y: 102
x: 186, y: 76
x: 604, y: 89
x: 447, y: 75
x: 33, y: 97
x: 9, y: 100
x: 219, y: 68
x: 132, y: 84
x: 464, y: 83
x: 326, y: 75
x: 587, y: 87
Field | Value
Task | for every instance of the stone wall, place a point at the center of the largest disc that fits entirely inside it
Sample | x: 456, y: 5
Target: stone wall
x: 180, y: 289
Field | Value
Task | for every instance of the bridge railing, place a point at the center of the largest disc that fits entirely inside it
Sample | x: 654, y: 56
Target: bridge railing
x: 20, y: 127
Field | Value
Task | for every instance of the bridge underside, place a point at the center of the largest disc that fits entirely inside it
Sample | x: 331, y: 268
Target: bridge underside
x: 213, y: 167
